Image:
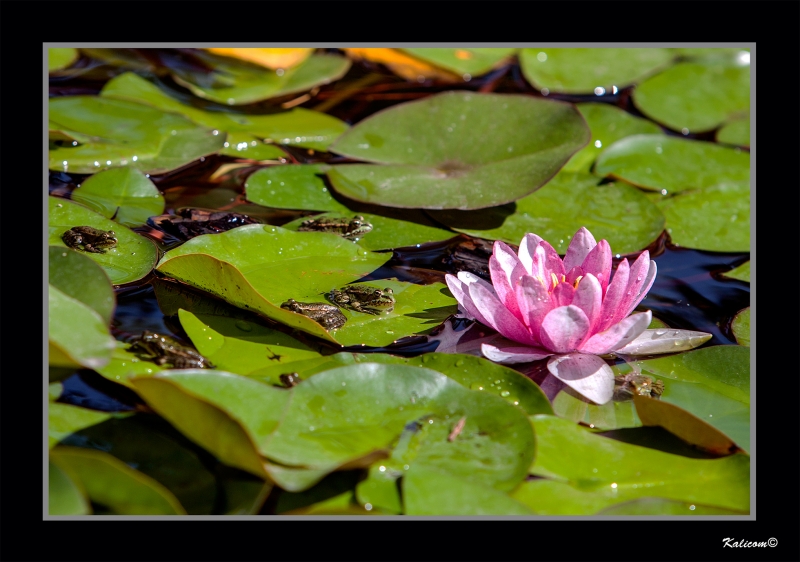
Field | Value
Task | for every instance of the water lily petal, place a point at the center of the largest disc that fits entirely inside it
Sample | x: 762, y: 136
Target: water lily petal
x: 498, y: 316
x: 526, y: 250
x: 587, y: 374
x: 513, y: 354
x: 534, y: 303
x: 573, y: 274
x: 598, y: 263
x: 618, y: 335
x: 589, y: 298
x: 562, y: 295
x: 564, y: 328
x: 663, y: 340
x: 579, y: 247
x: 639, y: 275
x: 641, y: 288
x: 459, y: 286
x: 609, y: 314
x: 546, y: 261
x: 505, y: 269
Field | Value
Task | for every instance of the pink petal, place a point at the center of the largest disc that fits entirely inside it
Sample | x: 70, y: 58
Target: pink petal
x: 505, y: 269
x: 564, y: 328
x: 618, y: 335
x: 598, y: 263
x: 650, y: 277
x: 589, y: 298
x: 459, y: 287
x: 562, y: 295
x: 534, y: 303
x: 515, y: 354
x: 587, y: 374
x: 573, y: 274
x: 498, y: 316
x: 546, y: 261
x: 579, y: 247
x: 639, y: 275
x: 527, y: 248
x: 610, y: 313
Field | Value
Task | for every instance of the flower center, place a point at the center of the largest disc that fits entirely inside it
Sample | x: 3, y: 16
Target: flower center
x: 555, y: 281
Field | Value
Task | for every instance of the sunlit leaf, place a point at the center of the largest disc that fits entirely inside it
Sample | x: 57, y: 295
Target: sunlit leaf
x: 272, y: 58
x: 58, y: 58
x: 446, y: 150
x: 78, y: 336
x: 124, y: 195
x: 657, y: 506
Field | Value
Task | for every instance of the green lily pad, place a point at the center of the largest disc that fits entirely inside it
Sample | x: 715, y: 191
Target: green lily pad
x: 427, y: 491
x: 741, y: 327
x: 616, y: 212
x: 608, y: 124
x: 475, y: 62
x: 78, y: 336
x: 712, y: 383
x: 714, y: 53
x: 133, y: 257
x: 379, y: 490
x: 64, y: 497
x: 58, y: 58
x: 570, y: 405
x: 66, y: 419
x: 588, y: 472
x: 658, y: 506
x: 247, y: 133
x: 580, y: 71
x: 123, y: 194
x: 236, y: 82
x: 742, y: 273
x: 695, y: 97
x: 736, y: 132
x: 125, y: 364
x: 716, y: 219
x: 123, y: 133
x: 661, y: 163
x: 113, y: 484
x: 79, y: 277
x: 259, y: 267
x: 239, y: 346
x: 457, y: 150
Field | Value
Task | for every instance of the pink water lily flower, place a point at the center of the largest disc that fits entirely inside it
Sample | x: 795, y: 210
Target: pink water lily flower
x: 563, y: 309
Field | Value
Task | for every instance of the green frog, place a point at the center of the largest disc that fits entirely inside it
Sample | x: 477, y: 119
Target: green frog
x: 326, y: 315
x: 290, y: 379
x: 92, y: 239
x: 164, y: 349
x: 344, y: 227
x: 625, y: 386
x: 362, y: 298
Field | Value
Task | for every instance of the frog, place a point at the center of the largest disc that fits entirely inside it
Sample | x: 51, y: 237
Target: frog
x: 290, y: 379
x: 326, y: 315
x: 625, y: 386
x: 163, y: 349
x: 362, y: 298
x: 91, y: 239
x: 344, y: 227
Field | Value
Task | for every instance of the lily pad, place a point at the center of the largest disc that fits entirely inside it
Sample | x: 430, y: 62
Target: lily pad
x: 239, y: 346
x: 133, y: 257
x: 661, y: 163
x: 112, y: 483
x: 714, y: 53
x: 259, y: 267
x: 79, y: 277
x: 657, y: 506
x: 125, y: 364
x: 716, y: 219
x: 65, y: 419
x: 581, y: 70
x: 474, y: 61
x: 247, y: 133
x: 123, y: 194
x: 64, y: 497
x: 123, y: 133
x: 78, y: 336
x: 58, y: 58
x: 594, y: 472
x: 616, y: 212
x: 736, y: 132
x: 694, y: 96
x: 272, y: 58
x: 742, y: 272
x: 237, y: 82
x: 457, y: 150
x: 741, y: 327
x: 712, y: 383
x: 608, y: 124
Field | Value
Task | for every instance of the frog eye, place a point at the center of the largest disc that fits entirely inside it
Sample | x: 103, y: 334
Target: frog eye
x: 111, y: 233
x: 358, y: 218
x: 388, y: 290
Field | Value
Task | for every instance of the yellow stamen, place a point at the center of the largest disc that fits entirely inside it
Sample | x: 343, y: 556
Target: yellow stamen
x: 578, y: 280
x: 555, y: 279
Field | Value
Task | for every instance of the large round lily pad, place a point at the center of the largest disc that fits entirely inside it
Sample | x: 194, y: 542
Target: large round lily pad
x: 122, y: 194
x: 673, y: 164
x: 581, y: 70
x: 122, y: 133
x: 617, y: 212
x: 457, y: 150
x: 133, y: 257
x: 695, y: 97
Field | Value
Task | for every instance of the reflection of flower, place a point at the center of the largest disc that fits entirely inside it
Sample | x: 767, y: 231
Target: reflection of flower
x: 566, y: 308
